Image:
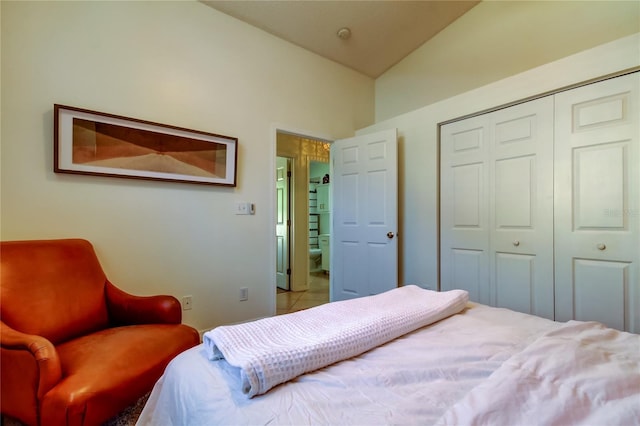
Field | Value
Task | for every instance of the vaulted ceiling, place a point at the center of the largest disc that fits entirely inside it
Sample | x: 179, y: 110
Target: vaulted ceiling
x: 381, y: 32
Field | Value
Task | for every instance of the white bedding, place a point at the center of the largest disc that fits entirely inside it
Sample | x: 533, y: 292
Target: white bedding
x: 413, y: 379
x: 274, y: 350
x: 580, y: 374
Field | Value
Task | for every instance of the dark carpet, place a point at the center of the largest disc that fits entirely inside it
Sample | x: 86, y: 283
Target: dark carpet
x: 127, y: 417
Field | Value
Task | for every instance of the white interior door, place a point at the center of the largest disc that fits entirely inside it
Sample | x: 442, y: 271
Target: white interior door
x: 597, y: 199
x: 364, y: 240
x: 283, y: 223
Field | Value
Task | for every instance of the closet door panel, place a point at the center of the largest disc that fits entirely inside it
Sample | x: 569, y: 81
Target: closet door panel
x: 601, y: 292
x: 521, y: 205
x: 598, y: 186
x: 467, y: 270
x: 466, y: 190
x: 464, y: 221
x: 597, y: 200
x: 514, y: 189
x: 515, y: 281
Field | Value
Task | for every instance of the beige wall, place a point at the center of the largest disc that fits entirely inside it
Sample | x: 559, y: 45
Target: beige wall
x: 418, y: 142
x: 497, y: 39
x: 183, y: 64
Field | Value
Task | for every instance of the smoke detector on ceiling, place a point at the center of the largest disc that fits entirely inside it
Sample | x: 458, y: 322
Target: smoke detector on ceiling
x: 344, y: 33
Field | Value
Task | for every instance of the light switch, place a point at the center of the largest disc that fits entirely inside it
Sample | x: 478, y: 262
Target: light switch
x: 244, y: 208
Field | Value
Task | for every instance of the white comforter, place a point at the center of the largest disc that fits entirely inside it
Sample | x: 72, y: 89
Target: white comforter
x: 579, y: 374
x: 274, y: 350
x: 411, y: 380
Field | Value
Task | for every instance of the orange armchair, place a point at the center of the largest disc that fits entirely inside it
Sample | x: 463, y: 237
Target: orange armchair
x: 76, y: 350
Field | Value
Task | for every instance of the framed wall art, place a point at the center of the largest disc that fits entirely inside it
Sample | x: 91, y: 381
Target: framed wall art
x: 95, y: 143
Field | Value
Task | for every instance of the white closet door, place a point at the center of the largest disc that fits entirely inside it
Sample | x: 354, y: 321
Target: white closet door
x: 464, y: 218
x: 521, y: 206
x: 597, y: 199
x: 496, y: 200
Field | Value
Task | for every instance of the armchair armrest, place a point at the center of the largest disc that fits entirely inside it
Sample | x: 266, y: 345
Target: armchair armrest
x: 127, y: 309
x: 47, y: 362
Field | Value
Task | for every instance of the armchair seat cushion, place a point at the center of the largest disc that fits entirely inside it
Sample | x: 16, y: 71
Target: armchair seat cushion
x: 116, y: 365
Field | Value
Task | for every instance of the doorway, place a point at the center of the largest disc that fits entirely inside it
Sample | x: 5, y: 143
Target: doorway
x: 308, y: 282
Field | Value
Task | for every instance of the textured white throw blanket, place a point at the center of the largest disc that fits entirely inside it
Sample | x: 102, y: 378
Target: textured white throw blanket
x: 275, y: 350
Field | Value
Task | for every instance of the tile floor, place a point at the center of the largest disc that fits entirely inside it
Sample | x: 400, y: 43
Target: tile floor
x: 291, y: 301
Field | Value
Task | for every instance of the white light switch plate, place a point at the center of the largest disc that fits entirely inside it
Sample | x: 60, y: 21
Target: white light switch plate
x: 244, y: 208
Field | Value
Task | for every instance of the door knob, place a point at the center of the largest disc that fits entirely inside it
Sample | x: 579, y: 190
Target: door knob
x: 516, y: 243
x: 601, y: 246
x: 390, y: 235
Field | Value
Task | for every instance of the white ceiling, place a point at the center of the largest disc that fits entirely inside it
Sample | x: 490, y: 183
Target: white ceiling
x: 382, y: 32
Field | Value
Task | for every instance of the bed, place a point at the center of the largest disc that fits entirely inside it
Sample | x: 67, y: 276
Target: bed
x: 462, y: 364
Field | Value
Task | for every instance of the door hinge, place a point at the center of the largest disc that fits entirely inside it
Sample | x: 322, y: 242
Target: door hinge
x: 289, y: 271
x: 288, y: 173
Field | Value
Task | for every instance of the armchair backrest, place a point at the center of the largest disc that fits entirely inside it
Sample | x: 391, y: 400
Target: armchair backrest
x: 52, y: 288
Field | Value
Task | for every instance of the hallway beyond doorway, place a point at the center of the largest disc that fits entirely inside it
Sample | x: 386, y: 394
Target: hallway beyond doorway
x: 317, y: 294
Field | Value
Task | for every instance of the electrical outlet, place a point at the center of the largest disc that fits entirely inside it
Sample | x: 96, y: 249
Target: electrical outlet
x: 244, y: 294
x: 186, y: 303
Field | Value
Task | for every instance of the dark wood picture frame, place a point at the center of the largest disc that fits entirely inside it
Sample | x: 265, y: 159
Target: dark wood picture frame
x: 95, y: 143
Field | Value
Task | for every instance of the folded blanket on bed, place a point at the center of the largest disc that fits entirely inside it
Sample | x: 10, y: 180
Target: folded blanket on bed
x: 580, y: 374
x: 274, y: 350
